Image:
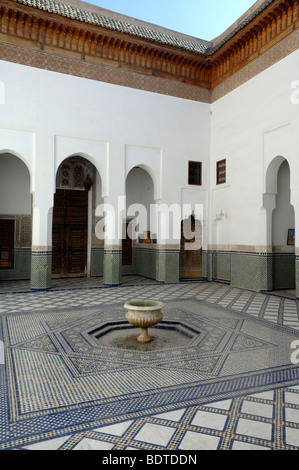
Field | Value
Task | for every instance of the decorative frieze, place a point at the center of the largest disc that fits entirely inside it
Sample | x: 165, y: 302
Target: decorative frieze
x: 95, y: 44
x: 60, y: 35
x: 275, y: 23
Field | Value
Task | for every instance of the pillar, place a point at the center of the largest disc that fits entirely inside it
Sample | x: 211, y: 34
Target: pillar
x: 109, y: 229
x: 41, y: 250
x: 168, y: 220
x: 112, y: 269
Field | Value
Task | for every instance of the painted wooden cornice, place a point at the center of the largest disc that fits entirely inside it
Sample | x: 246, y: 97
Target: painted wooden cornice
x: 275, y: 23
x: 69, y: 35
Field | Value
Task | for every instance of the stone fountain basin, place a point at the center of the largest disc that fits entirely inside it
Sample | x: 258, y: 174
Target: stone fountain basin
x: 144, y: 305
x: 144, y: 314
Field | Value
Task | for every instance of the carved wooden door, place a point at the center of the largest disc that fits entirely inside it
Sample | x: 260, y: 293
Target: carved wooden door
x: 191, y: 260
x: 69, y: 241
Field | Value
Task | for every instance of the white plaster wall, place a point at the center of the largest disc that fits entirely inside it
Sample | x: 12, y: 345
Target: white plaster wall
x: 250, y: 127
x: 100, y: 121
x: 46, y: 117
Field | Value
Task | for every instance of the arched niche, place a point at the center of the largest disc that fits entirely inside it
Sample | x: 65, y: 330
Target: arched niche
x: 15, y: 196
x: 153, y: 175
x: 74, y: 243
x: 15, y: 217
x: 280, y: 216
x: 140, y: 227
x: 283, y: 217
x: 140, y: 191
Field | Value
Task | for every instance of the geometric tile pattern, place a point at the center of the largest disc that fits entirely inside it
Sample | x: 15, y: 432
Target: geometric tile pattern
x: 233, y: 389
x: 263, y: 421
x: 40, y: 270
x: 60, y: 344
x: 17, y: 297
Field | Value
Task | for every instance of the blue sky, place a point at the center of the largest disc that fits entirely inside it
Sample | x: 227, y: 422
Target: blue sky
x: 205, y: 19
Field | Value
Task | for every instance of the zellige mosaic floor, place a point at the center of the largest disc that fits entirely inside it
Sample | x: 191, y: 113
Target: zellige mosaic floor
x: 231, y: 386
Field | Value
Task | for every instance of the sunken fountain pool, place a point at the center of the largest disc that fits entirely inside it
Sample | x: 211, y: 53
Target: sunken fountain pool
x: 143, y: 328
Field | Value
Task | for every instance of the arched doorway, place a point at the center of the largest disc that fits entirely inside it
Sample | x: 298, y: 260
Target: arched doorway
x: 283, y: 225
x: 139, y: 229
x: 71, y: 231
x: 15, y: 218
x: 191, y: 249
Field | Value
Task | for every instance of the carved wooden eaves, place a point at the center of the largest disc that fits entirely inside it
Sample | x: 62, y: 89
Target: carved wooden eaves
x: 55, y: 34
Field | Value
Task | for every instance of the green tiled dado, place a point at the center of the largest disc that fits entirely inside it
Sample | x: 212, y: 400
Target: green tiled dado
x: 96, y: 262
x: 168, y: 266
x: 216, y: 266
x: 21, y: 268
x: 205, y: 263
x: 146, y: 263
x: 112, y: 268
x: 284, y: 267
x: 251, y: 271
x: 155, y: 264
x: 41, y: 270
x: 222, y: 266
x: 150, y: 263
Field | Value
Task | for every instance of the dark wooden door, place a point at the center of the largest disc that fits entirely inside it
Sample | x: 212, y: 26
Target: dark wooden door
x: 191, y: 260
x: 126, y: 247
x: 7, y: 230
x: 69, y: 240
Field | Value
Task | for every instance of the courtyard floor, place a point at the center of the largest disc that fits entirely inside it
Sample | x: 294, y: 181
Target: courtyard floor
x: 231, y: 387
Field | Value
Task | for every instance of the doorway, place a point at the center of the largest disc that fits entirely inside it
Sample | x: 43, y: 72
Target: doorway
x: 69, y: 240
x: 127, y: 248
x: 283, y: 222
x: 7, y: 230
x: 191, y: 260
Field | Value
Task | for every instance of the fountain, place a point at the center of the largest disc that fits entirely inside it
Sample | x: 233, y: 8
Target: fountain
x: 144, y: 314
x: 167, y: 330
